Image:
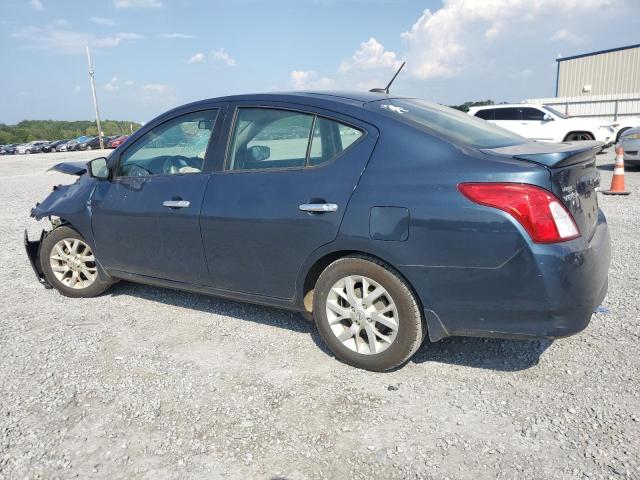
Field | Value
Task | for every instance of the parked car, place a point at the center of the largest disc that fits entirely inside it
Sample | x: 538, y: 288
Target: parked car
x: 623, y: 124
x: 31, y: 147
x: 8, y: 149
x: 63, y: 146
x: 116, y: 142
x: 51, y: 147
x: 91, y: 143
x: 543, y: 123
x: 630, y: 142
x: 72, y: 145
x: 387, y: 219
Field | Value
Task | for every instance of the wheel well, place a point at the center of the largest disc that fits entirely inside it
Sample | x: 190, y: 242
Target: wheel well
x: 318, y: 267
x: 620, y: 132
x: 579, y: 131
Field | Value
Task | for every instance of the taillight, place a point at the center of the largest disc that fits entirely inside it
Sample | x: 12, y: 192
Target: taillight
x: 538, y: 210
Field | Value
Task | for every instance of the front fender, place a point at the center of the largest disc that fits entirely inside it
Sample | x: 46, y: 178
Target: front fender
x: 72, y: 204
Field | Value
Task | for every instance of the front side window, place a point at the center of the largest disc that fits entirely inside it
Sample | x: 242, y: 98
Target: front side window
x: 532, y: 114
x: 265, y: 138
x: 177, y: 146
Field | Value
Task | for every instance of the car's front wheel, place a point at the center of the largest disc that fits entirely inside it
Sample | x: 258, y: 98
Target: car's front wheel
x: 69, y: 265
x: 367, y: 314
x: 578, y: 137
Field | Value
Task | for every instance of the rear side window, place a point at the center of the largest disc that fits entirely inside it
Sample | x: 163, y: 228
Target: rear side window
x: 509, y: 113
x: 454, y: 125
x: 488, y: 114
x: 265, y: 138
x: 330, y: 139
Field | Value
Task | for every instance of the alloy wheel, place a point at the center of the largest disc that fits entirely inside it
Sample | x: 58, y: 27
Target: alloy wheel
x: 73, y: 263
x: 362, y: 314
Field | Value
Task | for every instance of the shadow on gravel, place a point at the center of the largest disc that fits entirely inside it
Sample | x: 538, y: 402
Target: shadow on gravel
x: 493, y: 354
x: 218, y: 306
x: 488, y: 353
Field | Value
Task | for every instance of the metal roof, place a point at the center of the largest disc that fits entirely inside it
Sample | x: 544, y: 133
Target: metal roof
x: 598, y: 52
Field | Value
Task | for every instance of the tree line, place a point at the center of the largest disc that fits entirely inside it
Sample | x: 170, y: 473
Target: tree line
x: 29, y: 130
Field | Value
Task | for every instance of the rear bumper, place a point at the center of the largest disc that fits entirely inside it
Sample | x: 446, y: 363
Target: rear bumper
x: 544, y: 291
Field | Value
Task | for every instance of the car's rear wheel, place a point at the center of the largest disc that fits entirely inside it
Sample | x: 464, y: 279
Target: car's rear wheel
x: 69, y: 265
x: 578, y: 137
x: 367, y: 314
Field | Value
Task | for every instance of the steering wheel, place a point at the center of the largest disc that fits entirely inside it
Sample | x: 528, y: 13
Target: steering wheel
x: 136, y: 170
x: 173, y: 164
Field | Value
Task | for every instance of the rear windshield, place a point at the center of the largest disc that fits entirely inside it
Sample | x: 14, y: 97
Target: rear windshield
x: 449, y: 123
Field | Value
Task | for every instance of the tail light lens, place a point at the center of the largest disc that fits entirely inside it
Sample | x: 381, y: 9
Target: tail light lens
x: 538, y: 210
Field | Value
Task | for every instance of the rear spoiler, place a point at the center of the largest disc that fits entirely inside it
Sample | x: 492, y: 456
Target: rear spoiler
x: 552, y: 155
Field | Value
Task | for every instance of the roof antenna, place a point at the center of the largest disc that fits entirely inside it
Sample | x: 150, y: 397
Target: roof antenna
x: 386, y: 89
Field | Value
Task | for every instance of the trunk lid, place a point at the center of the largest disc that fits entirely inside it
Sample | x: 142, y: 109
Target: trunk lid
x: 574, y: 176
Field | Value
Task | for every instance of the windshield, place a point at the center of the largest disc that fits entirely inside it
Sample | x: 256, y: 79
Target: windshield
x: 555, y: 112
x: 452, y: 124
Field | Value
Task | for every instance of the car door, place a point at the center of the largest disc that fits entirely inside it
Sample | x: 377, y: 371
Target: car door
x: 511, y: 119
x: 536, y: 124
x: 146, y: 219
x: 281, y: 194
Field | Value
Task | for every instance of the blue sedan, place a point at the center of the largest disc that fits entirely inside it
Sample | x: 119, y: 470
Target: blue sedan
x: 387, y: 219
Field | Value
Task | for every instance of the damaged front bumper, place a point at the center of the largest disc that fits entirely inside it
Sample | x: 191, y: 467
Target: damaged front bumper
x: 33, y: 252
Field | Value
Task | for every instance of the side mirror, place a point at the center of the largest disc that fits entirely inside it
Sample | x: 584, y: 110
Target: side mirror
x: 205, y: 125
x: 547, y: 118
x: 99, y: 168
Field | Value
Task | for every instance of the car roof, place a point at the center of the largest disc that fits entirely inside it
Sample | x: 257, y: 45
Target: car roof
x: 312, y: 97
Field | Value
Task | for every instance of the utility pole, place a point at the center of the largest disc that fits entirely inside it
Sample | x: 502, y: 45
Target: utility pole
x: 95, y: 98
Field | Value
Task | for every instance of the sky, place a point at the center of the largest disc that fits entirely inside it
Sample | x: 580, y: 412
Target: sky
x: 152, y: 55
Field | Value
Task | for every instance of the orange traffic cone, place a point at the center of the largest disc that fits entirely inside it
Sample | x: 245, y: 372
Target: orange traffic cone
x: 617, y: 181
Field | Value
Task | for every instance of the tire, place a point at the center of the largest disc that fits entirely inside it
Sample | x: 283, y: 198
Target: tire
x: 84, y: 286
x: 578, y: 137
x: 357, y: 350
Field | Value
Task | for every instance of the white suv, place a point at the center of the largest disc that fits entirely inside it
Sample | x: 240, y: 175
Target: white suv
x: 543, y: 123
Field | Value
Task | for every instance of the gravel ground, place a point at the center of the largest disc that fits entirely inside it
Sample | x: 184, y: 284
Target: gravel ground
x: 150, y: 383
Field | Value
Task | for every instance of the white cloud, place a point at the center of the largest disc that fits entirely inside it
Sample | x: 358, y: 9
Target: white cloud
x: 178, y: 35
x: 62, y: 40
x: 37, y: 5
x: 137, y: 3
x: 129, y: 83
x: 371, y: 54
x: 112, y: 85
x: 156, y: 89
x: 107, y: 22
x: 309, y: 80
x: 77, y: 88
x: 224, y: 56
x: 565, y: 35
x: 196, y: 58
x: 438, y: 44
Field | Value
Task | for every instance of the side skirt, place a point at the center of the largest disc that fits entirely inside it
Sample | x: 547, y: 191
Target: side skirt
x: 206, y: 290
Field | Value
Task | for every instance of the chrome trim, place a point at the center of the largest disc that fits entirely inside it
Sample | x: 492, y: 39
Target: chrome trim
x: 318, y: 207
